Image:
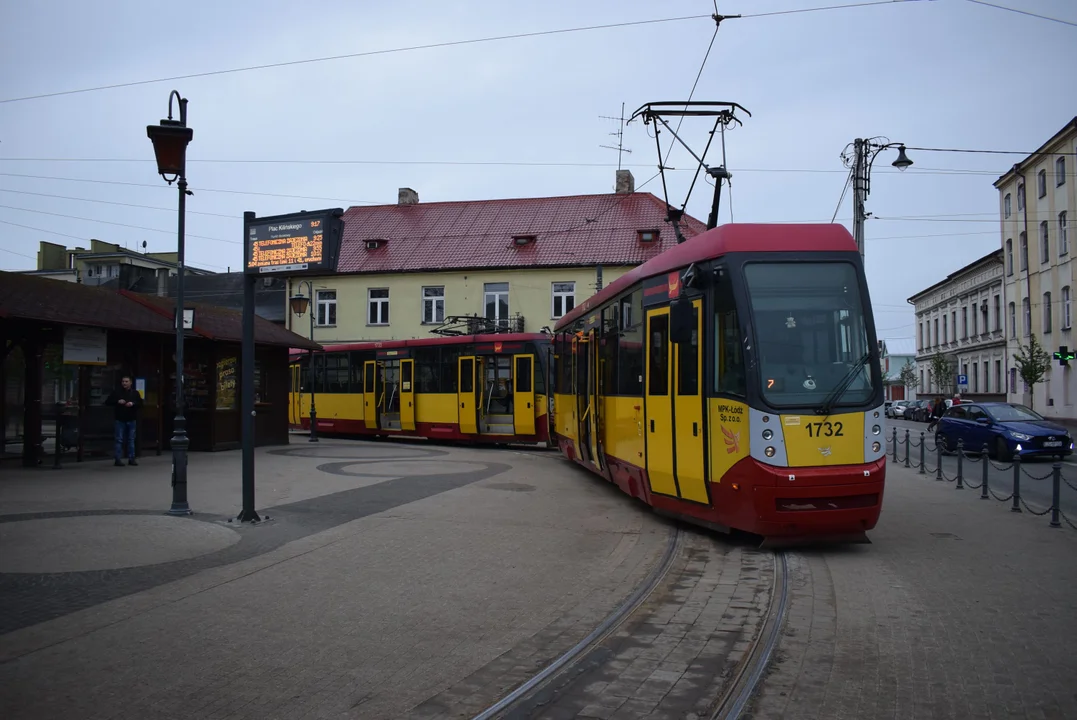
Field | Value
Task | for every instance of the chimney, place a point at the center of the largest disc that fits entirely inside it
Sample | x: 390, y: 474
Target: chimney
x: 407, y: 196
x: 625, y: 182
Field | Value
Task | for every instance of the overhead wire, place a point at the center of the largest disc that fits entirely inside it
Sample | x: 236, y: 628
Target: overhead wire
x: 1024, y: 12
x: 427, y: 46
x: 109, y: 222
x: 123, y: 204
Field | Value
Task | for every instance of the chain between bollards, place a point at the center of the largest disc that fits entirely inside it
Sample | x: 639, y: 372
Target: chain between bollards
x: 987, y: 466
x: 960, y: 458
x: 1016, y: 484
x: 1056, y: 483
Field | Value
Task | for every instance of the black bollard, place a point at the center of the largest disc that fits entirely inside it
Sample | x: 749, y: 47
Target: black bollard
x: 923, y: 444
x: 908, y: 447
x: 938, y: 459
x: 1016, y: 484
x: 987, y: 466
x: 895, y: 445
x: 1056, y: 483
x: 960, y: 459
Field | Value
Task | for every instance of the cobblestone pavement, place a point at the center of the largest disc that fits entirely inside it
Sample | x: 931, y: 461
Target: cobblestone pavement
x: 362, y: 602
x: 959, y: 609
x: 671, y: 659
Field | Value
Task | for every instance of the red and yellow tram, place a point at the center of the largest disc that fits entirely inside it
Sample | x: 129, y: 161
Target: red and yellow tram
x: 734, y: 382
x: 473, y: 388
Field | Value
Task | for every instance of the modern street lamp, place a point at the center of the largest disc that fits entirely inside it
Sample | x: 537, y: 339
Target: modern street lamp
x: 860, y: 161
x: 299, y: 304
x: 170, y: 139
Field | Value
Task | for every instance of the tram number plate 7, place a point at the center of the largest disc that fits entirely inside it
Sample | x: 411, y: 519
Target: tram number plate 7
x: 825, y: 429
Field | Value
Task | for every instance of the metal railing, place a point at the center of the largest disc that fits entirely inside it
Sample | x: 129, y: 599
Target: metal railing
x: 982, y: 456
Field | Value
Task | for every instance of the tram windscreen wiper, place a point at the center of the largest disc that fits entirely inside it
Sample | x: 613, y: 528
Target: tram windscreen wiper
x: 843, y: 385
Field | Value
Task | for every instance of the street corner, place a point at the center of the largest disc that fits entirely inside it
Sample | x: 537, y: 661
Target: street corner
x: 91, y: 541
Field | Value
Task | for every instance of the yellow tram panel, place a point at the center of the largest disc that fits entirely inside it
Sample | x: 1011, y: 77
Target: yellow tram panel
x: 813, y: 440
x: 622, y: 429
x: 729, y: 435
x: 436, y: 408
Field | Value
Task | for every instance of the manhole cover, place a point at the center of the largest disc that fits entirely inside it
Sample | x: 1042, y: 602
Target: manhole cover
x: 511, y: 487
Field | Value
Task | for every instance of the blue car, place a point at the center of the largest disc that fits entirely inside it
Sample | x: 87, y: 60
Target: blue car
x: 1007, y: 429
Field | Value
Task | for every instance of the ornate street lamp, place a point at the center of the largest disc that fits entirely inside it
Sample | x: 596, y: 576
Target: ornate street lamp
x: 860, y: 161
x: 299, y: 305
x: 170, y: 139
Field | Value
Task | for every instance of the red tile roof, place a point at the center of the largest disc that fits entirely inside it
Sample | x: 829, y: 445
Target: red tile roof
x: 572, y: 230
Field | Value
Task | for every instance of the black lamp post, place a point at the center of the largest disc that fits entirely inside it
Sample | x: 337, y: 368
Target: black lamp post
x: 299, y: 305
x: 860, y: 161
x: 170, y: 140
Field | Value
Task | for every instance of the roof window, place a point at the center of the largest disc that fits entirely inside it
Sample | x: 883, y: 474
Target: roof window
x: 375, y: 243
x: 647, y: 236
x: 521, y: 240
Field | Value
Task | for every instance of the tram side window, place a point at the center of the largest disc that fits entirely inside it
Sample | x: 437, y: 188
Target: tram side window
x: 688, y: 361
x: 728, y: 350
x: 630, y: 361
x: 449, y: 369
x: 564, y: 366
x: 356, y: 371
x: 336, y: 373
x: 658, y: 363
x: 428, y: 369
x: 467, y: 375
x: 542, y: 356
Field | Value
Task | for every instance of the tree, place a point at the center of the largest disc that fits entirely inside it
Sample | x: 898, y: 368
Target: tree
x: 942, y: 369
x: 1032, y: 363
x: 908, y: 376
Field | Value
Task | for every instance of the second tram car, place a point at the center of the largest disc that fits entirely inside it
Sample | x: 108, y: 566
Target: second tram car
x: 733, y: 381
x: 471, y: 388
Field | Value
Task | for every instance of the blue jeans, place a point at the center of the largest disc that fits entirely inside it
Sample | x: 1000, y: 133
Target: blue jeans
x: 129, y: 427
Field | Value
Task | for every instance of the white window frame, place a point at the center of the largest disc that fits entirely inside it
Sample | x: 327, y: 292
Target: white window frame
x: 1063, y: 241
x: 1007, y: 205
x: 1067, y: 316
x: 1045, y: 243
x: 496, y: 295
x: 325, y: 305
x: 1060, y: 171
x: 433, y: 297
x: 563, y: 294
x: 379, y: 302
x: 1041, y: 183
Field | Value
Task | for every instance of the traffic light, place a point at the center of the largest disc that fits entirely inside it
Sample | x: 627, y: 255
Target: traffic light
x: 1064, y: 355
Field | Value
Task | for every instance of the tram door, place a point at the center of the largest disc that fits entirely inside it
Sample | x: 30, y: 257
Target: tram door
x: 581, y: 389
x: 523, y: 395
x: 407, y: 395
x: 674, y: 409
x: 465, y: 395
x: 371, y: 391
x: 595, y: 415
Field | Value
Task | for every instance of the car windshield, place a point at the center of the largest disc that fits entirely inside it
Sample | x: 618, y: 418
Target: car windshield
x: 810, y: 332
x: 1012, y: 413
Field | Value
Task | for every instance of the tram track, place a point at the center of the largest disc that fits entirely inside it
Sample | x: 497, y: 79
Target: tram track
x: 544, y: 687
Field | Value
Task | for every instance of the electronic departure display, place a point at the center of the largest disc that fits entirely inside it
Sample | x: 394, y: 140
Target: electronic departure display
x: 297, y: 244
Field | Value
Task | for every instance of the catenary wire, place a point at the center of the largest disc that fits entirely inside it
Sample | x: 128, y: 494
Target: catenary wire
x: 109, y: 222
x: 1024, y: 12
x: 113, y: 202
x: 429, y: 46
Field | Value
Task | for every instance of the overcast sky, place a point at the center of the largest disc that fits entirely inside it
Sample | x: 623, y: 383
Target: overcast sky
x: 928, y: 73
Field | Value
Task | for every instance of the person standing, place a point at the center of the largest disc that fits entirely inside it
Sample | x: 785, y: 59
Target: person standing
x: 126, y: 402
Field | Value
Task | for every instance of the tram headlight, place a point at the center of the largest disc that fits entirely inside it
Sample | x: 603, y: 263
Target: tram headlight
x: 768, y: 434
x: 876, y: 430
x: 875, y: 446
x: 769, y: 452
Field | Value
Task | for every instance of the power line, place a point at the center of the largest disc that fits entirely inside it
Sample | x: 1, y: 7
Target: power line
x: 199, y: 189
x: 367, y: 53
x: 109, y: 222
x: 1024, y: 12
x: 17, y: 253
x: 429, y: 46
x: 112, y: 202
x: 985, y: 152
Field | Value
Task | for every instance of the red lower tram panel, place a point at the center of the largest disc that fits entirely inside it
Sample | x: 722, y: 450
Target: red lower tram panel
x: 835, y: 503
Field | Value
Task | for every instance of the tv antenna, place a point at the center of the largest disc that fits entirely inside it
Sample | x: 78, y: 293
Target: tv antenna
x: 724, y: 113
x: 620, y: 148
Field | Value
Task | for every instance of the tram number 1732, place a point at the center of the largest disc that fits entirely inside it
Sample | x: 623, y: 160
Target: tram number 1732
x: 825, y: 429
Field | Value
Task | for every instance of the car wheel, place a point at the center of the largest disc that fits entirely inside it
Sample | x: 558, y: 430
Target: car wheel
x: 1002, y: 450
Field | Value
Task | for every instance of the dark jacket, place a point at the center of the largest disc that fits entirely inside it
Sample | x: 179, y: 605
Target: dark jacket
x: 124, y: 413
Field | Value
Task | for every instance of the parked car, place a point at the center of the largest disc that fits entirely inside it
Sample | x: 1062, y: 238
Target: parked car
x: 1007, y: 429
x: 897, y: 408
x: 918, y: 411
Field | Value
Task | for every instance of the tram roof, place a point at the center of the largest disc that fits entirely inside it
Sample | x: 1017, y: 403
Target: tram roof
x: 719, y: 241
x: 428, y: 342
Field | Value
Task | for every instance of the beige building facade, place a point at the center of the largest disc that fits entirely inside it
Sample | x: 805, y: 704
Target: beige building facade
x: 1038, y: 207
x: 961, y: 318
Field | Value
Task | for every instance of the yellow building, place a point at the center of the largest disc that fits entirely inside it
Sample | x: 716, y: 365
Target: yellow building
x: 518, y: 264
x: 1040, y: 275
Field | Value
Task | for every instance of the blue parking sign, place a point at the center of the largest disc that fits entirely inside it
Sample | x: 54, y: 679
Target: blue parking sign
x: 962, y: 379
